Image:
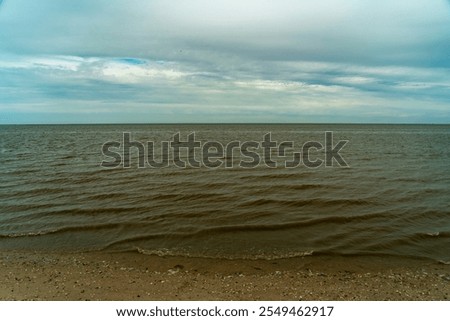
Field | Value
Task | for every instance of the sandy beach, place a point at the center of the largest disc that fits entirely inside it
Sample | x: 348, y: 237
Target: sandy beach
x: 130, y: 276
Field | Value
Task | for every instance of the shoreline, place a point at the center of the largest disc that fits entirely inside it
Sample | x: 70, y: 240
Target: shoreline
x: 133, y: 276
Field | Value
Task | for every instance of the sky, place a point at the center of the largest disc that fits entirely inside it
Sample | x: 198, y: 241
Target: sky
x: 233, y: 61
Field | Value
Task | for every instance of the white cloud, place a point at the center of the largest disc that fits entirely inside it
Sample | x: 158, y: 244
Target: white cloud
x: 270, y: 85
x: 126, y: 73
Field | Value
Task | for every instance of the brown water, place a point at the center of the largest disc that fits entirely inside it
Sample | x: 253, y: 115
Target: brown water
x: 393, y: 199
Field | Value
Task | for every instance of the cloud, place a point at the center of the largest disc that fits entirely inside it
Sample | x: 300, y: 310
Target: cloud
x: 282, y: 60
x: 398, y: 32
x: 300, y: 90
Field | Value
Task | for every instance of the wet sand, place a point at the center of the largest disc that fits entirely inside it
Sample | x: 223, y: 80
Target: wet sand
x: 130, y: 276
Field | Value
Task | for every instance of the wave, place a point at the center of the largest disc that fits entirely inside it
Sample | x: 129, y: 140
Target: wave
x: 182, y: 253
x: 217, y: 230
x: 76, y: 228
x: 317, y: 202
x: 276, y: 176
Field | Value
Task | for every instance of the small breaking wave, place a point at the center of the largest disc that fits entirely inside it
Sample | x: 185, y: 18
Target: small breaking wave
x: 183, y: 253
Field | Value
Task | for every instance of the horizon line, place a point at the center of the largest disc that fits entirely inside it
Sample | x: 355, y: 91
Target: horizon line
x: 214, y: 123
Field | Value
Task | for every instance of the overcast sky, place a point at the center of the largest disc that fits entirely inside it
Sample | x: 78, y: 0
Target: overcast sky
x: 158, y: 61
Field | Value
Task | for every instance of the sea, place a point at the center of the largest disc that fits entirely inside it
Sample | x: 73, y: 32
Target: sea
x: 68, y: 188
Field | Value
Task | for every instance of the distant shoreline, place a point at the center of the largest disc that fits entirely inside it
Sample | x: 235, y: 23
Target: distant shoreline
x: 223, y: 124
